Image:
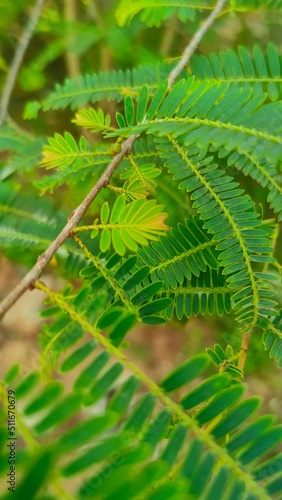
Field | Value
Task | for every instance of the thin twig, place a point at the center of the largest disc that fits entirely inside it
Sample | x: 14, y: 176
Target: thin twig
x: 244, y: 350
x: 76, y: 216
x: 18, y: 57
x: 72, y: 59
x: 42, y: 261
x: 190, y: 49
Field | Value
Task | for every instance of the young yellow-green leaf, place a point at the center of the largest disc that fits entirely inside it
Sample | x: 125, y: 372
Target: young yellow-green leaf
x: 117, y: 209
x: 105, y: 241
x: 128, y: 241
x: 94, y: 233
x: 96, y: 121
x: 118, y: 243
x: 105, y: 212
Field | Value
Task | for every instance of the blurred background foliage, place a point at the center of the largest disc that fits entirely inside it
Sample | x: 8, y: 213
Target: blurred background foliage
x: 75, y: 37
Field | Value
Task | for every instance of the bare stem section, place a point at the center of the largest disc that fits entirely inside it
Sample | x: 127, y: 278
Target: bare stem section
x: 32, y: 276
x: 244, y: 350
x: 18, y: 57
x: 191, y: 47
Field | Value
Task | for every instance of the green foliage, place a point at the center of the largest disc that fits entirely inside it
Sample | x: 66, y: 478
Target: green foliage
x: 153, y: 445
x: 187, y: 226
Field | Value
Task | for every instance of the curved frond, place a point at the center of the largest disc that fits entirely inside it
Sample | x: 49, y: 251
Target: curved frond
x: 212, y: 114
x: 263, y: 172
x: 29, y: 222
x: 260, y: 72
x: 241, y: 238
x: 112, y: 85
x: 21, y: 152
x: 211, y: 441
x: 179, y: 254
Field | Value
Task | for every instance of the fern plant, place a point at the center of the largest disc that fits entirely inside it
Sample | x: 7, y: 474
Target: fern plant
x: 175, y: 232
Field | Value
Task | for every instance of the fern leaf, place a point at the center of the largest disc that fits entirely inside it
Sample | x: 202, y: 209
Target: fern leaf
x: 181, y: 253
x: 213, y: 114
x: 179, y: 442
x: 208, y: 293
x: 24, y: 151
x: 228, y: 220
x: 112, y: 85
x: 262, y: 172
x: 26, y: 222
x: 261, y: 72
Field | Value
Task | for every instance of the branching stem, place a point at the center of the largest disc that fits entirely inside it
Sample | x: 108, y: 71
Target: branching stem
x: 29, y: 279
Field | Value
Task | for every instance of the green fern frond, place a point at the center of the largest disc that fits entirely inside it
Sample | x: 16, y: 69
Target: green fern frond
x: 181, y: 253
x: 180, y: 444
x: 127, y: 225
x: 203, y: 114
x: 112, y: 85
x: 260, y: 72
x: 26, y: 222
x: 143, y: 152
x: 241, y: 238
x: 262, y: 172
x: 24, y: 151
x: 140, y: 176
x: 208, y: 293
x: 272, y: 339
